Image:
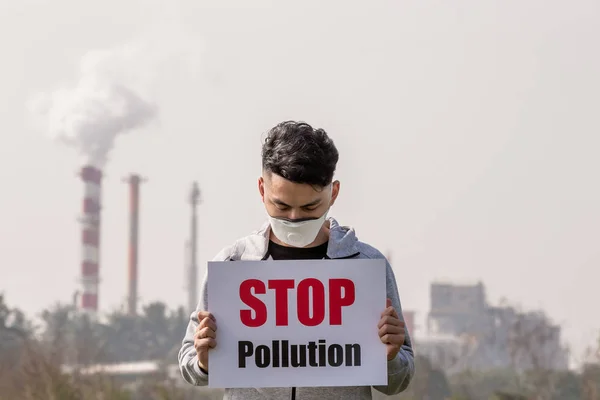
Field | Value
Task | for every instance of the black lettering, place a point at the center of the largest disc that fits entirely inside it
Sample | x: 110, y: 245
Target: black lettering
x: 352, y: 350
x: 245, y: 350
x: 298, y: 355
x: 263, y: 356
x: 335, y: 355
x: 285, y: 354
x: 322, y: 353
x: 312, y: 354
x: 282, y: 354
x: 275, y: 345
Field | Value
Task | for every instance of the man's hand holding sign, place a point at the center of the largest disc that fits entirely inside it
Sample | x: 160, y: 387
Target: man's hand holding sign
x: 391, y: 330
x: 390, y: 327
x: 205, y: 337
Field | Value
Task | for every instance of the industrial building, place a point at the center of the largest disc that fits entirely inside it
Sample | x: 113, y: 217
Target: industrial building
x: 86, y: 298
x: 90, y: 239
x: 465, y: 332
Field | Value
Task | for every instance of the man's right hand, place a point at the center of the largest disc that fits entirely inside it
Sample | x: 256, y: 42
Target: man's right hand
x: 205, y: 337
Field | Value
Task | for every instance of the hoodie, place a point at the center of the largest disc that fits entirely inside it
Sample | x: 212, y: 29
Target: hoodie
x: 343, y: 244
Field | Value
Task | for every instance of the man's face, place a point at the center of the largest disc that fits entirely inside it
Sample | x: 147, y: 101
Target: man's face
x: 289, y: 200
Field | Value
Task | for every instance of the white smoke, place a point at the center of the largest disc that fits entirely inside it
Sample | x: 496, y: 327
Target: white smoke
x: 113, y: 94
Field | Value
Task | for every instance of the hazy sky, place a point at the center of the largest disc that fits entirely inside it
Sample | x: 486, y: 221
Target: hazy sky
x: 468, y: 132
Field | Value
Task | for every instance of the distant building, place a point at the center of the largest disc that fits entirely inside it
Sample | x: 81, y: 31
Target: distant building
x: 486, y: 336
x: 457, y: 309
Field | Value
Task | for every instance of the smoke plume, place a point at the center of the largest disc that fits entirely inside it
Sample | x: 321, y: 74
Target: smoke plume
x: 111, y: 97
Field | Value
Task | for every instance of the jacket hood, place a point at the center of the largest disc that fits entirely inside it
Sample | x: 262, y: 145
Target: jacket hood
x: 342, y: 242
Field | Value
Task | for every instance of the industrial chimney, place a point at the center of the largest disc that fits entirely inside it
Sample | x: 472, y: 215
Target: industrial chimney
x: 90, y: 238
x: 134, y: 207
x: 192, y: 278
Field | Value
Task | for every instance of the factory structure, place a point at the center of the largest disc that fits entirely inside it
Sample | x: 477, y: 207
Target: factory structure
x: 86, y: 298
x: 134, y: 182
x: 463, y: 331
x: 90, y: 239
x: 191, y: 275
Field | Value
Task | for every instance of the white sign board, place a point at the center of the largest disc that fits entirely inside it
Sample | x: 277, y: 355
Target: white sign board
x: 297, y: 323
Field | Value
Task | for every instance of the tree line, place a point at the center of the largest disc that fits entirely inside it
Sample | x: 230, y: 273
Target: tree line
x: 31, y: 357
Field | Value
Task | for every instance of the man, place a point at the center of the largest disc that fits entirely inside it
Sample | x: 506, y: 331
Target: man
x: 297, y: 189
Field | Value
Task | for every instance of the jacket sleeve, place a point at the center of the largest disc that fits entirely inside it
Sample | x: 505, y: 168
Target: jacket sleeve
x: 187, y: 357
x: 402, y: 368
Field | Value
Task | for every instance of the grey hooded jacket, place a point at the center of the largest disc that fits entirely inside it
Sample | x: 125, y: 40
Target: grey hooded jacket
x: 343, y: 243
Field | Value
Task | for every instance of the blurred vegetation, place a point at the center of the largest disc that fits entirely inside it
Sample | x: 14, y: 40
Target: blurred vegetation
x: 431, y: 383
x: 31, y: 358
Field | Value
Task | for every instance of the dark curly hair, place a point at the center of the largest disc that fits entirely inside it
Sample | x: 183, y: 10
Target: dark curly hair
x: 299, y: 153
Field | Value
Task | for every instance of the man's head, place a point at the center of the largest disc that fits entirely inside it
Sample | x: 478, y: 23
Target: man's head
x: 298, y: 165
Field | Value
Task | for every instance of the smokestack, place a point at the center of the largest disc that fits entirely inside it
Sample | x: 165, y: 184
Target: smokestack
x: 134, y: 207
x: 90, y: 225
x: 193, y: 266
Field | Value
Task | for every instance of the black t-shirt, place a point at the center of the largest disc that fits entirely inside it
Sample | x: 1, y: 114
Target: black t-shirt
x: 279, y: 252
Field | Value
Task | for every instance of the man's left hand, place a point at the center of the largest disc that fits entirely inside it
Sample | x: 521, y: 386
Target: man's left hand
x: 391, y: 330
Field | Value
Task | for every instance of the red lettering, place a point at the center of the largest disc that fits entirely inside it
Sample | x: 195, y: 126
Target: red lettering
x: 310, y: 301
x: 318, y: 302
x: 336, y: 301
x: 260, y: 309
x: 281, y: 287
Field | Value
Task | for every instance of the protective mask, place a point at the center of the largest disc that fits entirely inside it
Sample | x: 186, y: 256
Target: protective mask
x: 297, y: 233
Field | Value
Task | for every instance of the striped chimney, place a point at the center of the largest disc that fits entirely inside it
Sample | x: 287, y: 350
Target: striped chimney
x: 90, y: 238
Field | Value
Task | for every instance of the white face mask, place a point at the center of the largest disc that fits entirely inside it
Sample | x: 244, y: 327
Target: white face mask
x: 297, y: 233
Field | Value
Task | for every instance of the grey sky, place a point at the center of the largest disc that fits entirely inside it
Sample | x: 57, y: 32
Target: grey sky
x: 468, y: 134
